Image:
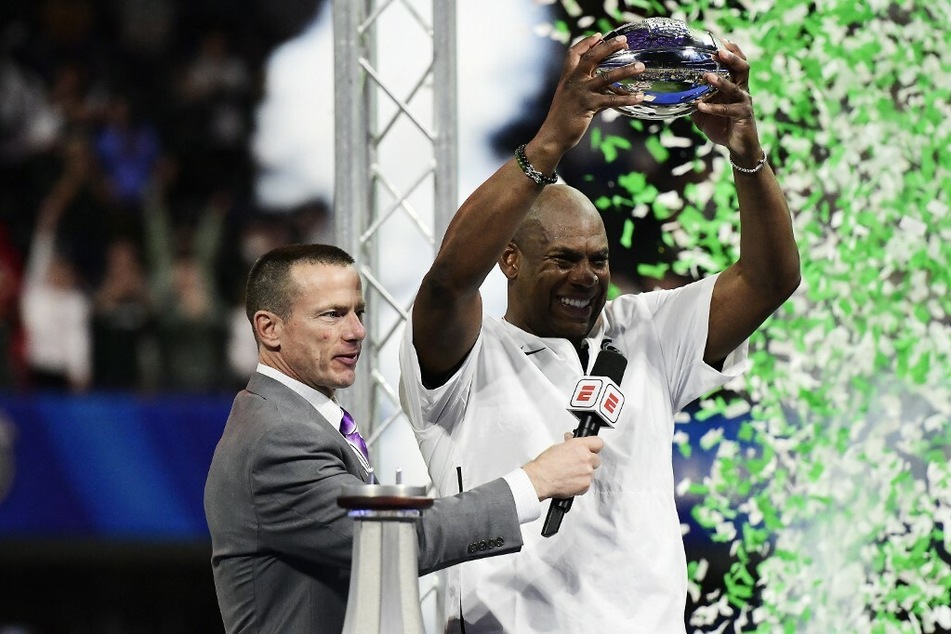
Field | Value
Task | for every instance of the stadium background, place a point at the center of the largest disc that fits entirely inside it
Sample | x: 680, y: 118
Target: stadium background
x: 815, y: 495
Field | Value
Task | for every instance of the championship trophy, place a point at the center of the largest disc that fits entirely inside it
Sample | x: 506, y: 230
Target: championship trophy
x: 675, y: 58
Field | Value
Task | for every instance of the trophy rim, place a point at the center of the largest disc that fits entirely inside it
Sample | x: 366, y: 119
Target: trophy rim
x: 695, y: 36
x: 384, y: 497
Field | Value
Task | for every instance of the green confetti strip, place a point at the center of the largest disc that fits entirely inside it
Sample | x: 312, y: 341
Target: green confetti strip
x: 835, y: 497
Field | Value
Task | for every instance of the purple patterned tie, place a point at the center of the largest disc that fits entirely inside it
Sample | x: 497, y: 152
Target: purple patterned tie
x: 349, y: 430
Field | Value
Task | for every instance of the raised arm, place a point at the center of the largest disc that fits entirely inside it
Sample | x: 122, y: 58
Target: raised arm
x: 767, y: 271
x: 447, y: 314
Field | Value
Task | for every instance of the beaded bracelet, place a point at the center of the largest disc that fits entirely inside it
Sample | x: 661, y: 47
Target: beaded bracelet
x: 750, y: 170
x: 530, y: 170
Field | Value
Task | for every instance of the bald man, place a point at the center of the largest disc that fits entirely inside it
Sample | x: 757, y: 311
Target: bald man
x: 483, y: 394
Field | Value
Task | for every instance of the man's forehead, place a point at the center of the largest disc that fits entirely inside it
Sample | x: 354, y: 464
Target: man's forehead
x: 574, y: 234
x: 327, y: 277
x: 340, y: 298
x: 579, y: 248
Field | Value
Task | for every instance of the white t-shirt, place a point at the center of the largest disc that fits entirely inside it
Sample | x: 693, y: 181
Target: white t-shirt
x: 617, y: 563
x: 56, y: 319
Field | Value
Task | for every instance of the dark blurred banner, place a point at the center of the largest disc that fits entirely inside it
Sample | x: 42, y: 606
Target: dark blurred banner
x: 111, y: 467
x: 116, y: 468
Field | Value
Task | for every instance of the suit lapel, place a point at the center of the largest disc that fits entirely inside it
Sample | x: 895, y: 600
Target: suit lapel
x: 299, y: 411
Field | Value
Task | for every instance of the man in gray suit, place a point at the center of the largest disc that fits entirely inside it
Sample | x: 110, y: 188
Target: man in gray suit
x: 281, y: 546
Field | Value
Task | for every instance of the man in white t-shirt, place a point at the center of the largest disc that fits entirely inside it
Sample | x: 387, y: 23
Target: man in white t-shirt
x: 483, y: 394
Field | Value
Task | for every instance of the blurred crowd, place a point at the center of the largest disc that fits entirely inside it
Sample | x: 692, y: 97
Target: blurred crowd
x: 127, y: 215
x: 128, y: 219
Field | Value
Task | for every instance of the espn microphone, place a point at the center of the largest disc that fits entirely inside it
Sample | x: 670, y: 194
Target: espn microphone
x: 596, y: 401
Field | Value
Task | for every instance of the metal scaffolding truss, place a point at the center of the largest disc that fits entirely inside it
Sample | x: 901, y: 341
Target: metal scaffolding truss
x: 395, y: 189
x: 396, y: 171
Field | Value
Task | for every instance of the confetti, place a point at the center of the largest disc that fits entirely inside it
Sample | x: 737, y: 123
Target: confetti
x: 835, y: 500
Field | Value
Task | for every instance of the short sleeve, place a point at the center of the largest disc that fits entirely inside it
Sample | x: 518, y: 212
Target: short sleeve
x: 680, y: 318
x: 438, y: 406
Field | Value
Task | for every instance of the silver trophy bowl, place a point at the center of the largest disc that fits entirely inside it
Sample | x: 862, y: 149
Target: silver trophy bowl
x: 675, y: 57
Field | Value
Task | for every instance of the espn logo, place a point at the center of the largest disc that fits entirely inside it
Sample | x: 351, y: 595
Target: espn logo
x: 600, y: 395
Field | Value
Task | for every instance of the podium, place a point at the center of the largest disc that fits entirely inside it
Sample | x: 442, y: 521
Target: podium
x: 384, y: 582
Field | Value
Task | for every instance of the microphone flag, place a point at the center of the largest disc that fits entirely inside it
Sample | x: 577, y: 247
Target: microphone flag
x: 596, y: 401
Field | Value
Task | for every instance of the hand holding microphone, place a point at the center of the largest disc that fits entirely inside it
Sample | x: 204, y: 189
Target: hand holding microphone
x: 565, y: 469
x: 596, y: 401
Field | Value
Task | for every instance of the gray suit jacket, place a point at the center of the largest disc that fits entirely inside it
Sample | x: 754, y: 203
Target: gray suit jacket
x: 281, y: 546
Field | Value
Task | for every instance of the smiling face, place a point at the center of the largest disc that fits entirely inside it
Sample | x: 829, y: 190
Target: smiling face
x: 557, y: 267
x: 319, y: 341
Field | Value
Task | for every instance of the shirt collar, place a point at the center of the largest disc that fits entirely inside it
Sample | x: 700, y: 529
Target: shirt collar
x: 328, y: 408
x: 562, y: 348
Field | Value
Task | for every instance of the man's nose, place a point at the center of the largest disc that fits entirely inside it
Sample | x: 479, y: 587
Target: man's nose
x: 584, y: 275
x: 356, y: 330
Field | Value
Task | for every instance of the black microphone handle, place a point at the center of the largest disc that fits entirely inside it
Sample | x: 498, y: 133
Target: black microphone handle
x: 588, y: 426
x: 610, y: 363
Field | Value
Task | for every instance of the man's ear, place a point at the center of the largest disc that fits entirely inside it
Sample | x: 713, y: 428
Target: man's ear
x: 269, y: 328
x: 509, y: 261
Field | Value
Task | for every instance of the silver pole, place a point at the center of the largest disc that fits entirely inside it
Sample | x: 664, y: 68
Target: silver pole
x: 446, y: 114
x: 352, y: 180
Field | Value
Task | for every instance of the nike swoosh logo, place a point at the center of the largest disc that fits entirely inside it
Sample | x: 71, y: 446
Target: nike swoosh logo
x: 529, y: 353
